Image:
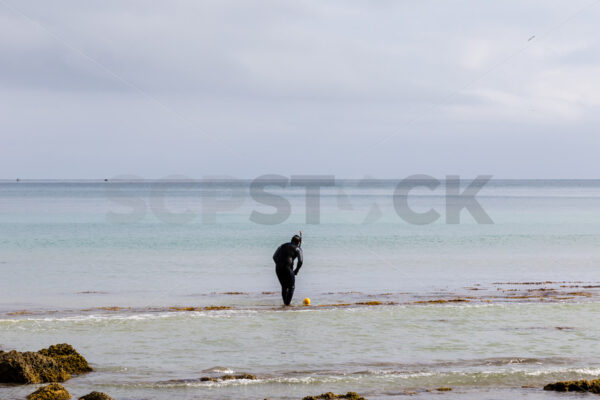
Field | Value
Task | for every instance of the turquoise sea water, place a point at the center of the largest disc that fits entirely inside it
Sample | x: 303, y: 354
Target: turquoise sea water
x: 67, y: 251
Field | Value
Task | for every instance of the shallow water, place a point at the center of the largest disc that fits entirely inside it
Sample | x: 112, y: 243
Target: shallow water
x: 377, y: 350
x: 61, y: 261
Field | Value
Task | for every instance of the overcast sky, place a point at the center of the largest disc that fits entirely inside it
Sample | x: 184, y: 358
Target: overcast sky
x: 94, y: 89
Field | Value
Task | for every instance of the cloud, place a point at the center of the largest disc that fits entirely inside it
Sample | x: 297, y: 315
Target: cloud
x: 186, y: 87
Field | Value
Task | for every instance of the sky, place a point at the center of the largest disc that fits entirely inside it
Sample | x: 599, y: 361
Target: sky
x: 387, y: 89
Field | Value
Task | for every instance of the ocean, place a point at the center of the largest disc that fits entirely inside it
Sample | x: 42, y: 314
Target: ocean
x: 161, y: 283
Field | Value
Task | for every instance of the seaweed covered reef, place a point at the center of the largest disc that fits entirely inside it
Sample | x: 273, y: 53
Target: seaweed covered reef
x: 331, y: 396
x: 54, y: 364
x: 592, y: 386
x: 96, y: 396
x: 227, y: 377
x: 53, y: 391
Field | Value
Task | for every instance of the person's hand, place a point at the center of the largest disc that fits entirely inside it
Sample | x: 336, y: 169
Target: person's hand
x: 296, y: 272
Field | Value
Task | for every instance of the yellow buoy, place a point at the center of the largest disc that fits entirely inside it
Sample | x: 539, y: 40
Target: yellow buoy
x: 306, y: 301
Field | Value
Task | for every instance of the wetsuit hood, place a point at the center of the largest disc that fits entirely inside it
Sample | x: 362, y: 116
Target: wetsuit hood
x: 297, y: 240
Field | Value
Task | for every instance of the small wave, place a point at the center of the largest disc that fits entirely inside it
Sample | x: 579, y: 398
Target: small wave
x: 220, y: 370
x: 508, y: 377
x: 243, y: 382
x: 577, y: 371
x: 128, y: 316
x: 149, y: 313
x: 197, y: 383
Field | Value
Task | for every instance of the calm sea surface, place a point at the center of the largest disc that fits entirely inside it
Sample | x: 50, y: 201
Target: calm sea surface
x: 105, y: 266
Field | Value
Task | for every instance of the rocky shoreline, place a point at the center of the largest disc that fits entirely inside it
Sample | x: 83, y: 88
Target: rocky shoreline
x: 58, y: 363
x: 55, y: 364
x: 56, y: 391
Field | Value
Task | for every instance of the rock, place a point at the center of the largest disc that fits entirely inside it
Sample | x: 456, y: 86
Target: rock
x: 53, y: 391
x: 68, y: 357
x: 239, y: 376
x: 592, y: 386
x: 29, y: 367
x: 54, y: 364
x: 227, y: 378
x: 96, y: 396
x: 330, y: 396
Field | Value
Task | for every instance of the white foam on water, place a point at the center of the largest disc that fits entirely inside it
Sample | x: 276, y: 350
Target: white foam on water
x: 128, y: 316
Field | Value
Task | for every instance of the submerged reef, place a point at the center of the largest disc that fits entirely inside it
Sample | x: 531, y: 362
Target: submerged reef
x: 208, y: 308
x: 96, y: 396
x: 53, y: 391
x: 54, y: 364
x: 592, y: 386
x: 442, y: 301
x: 227, y: 377
x: 498, y: 293
x: 330, y: 396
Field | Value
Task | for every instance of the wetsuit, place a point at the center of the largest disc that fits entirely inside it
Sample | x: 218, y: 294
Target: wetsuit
x: 284, y: 267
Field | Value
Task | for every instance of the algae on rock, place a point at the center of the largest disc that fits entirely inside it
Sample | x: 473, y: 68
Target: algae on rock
x: 68, y: 357
x: 331, y: 396
x: 227, y: 378
x: 96, y: 396
x: 592, y: 386
x: 53, y: 391
x: 30, y: 367
x: 54, y: 364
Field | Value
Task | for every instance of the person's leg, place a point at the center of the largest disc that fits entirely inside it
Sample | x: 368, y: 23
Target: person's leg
x: 283, y: 294
x: 287, y: 279
x: 288, y: 295
x: 283, y: 276
x: 291, y: 284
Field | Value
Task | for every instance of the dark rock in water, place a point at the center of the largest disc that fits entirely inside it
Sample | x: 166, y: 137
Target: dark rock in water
x: 330, y: 396
x: 592, y: 386
x: 227, y: 378
x: 68, y: 357
x: 54, y: 364
x: 96, y: 396
x: 29, y: 367
x: 53, y: 391
x: 239, y: 376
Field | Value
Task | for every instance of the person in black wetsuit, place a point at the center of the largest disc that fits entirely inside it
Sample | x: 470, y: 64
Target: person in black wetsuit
x: 284, y: 267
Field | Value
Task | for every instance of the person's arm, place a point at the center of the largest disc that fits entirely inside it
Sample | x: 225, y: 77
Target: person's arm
x: 300, y: 260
